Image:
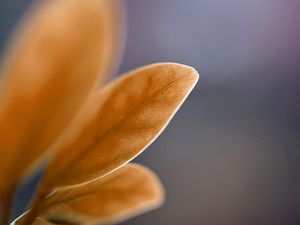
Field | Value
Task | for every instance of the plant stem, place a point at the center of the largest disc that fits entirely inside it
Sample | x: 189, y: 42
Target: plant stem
x: 6, y: 208
x: 30, y: 216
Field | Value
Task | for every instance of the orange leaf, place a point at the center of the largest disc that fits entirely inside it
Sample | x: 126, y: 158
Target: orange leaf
x: 61, y: 51
x: 119, y: 123
x: 127, y: 192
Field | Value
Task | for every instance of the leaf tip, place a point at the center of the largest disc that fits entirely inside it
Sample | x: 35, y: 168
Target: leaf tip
x: 181, y: 70
x: 187, y: 71
x: 158, y: 191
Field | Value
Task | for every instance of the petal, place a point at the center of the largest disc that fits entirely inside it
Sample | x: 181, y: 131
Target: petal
x: 127, y: 192
x: 64, y: 48
x: 119, y: 123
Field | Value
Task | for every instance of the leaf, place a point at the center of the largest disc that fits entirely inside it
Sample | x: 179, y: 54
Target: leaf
x: 61, y: 51
x: 37, y: 221
x: 41, y: 221
x: 129, y: 191
x: 119, y: 123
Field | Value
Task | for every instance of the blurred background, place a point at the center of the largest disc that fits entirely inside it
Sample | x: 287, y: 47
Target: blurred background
x: 231, y: 155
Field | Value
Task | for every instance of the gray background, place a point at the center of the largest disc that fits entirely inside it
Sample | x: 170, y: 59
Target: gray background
x: 231, y: 154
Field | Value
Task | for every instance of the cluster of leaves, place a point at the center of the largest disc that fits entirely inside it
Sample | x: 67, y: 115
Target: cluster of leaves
x: 52, y: 108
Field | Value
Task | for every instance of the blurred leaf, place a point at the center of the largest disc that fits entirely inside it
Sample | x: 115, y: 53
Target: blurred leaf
x: 61, y: 51
x: 129, y: 191
x: 39, y: 221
